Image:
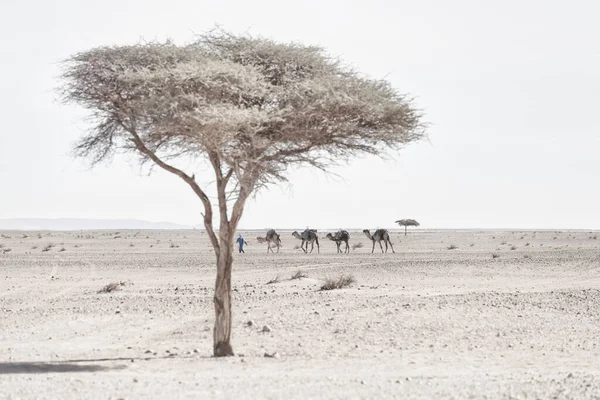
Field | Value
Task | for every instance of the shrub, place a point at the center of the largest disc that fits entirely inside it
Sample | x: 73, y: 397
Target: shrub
x: 48, y: 247
x: 341, y: 282
x: 274, y: 280
x: 298, y: 275
x: 513, y: 247
x: 495, y: 255
x: 111, y: 287
x: 452, y: 247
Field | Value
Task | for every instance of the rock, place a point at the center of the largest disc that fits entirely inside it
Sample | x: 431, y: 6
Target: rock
x: 196, y: 351
x: 266, y: 328
x: 149, y: 351
x: 250, y: 323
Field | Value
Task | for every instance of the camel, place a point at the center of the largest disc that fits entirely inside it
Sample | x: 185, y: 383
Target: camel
x: 378, y: 236
x: 339, y: 237
x: 308, y: 236
x: 272, y: 237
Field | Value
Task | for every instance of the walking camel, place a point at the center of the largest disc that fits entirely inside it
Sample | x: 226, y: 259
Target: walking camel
x: 272, y: 237
x: 308, y: 236
x: 378, y: 236
x: 339, y: 237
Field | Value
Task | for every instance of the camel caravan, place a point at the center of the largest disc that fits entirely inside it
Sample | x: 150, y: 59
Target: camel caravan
x: 310, y: 236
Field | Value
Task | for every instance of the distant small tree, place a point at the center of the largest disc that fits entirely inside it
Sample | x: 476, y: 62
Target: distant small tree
x: 406, y: 223
x: 248, y: 107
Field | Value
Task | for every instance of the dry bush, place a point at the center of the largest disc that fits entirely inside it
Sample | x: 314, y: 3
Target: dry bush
x: 495, y: 255
x: 6, y: 250
x: 299, y: 274
x: 339, y: 283
x: 357, y: 245
x: 452, y: 247
x: 33, y: 247
x: 174, y: 246
x: 513, y: 247
x: 112, y: 287
x: 48, y: 247
x: 62, y: 249
x: 274, y: 280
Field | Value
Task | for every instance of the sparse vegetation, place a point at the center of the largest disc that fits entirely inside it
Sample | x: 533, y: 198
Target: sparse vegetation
x: 274, y: 280
x: 298, y: 275
x: 48, y: 247
x: 495, y: 255
x: 173, y: 245
x: 452, y: 247
x: 513, y: 247
x: 357, y: 245
x: 112, y: 287
x: 341, y: 282
x: 6, y: 250
x: 62, y: 249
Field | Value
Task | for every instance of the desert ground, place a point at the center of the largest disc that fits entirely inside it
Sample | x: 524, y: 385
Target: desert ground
x: 504, y: 315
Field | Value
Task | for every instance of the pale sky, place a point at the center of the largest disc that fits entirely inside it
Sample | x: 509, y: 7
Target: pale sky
x: 511, y: 88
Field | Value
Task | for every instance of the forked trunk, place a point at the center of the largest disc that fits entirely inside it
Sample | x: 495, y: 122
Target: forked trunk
x: 222, y: 302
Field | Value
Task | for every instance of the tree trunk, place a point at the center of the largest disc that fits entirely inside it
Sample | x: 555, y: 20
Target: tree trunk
x: 222, y: 300
x: 405, y: 230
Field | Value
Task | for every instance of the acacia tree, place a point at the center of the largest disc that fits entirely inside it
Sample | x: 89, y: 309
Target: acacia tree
x: 249, y: 107
x: 406, y: 223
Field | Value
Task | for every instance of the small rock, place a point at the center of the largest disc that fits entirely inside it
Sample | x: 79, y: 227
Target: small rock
x: 149, y: 351
x: 250, y: 323
x: 117, y: 312
x: 196, y: 351
x: 266, y: 328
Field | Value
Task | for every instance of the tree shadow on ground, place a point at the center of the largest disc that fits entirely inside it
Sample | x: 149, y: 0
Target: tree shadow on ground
x: 78, y: 365
x: 40, y: 367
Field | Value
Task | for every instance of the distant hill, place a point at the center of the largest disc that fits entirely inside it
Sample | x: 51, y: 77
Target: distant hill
x: 76, y: 224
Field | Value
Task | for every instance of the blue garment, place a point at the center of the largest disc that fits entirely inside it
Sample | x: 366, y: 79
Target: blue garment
x: 241, y: 242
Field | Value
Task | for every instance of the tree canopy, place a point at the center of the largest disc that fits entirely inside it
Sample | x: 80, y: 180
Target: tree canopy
x: 407, y: 222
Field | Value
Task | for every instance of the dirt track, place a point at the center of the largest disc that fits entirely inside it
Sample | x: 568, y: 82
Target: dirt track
x: 426, y: 322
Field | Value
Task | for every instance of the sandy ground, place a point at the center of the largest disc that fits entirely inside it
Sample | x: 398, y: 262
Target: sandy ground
x: 426, y: 322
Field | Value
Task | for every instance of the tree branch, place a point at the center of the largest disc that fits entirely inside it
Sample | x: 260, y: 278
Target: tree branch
x: 208, y: 224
